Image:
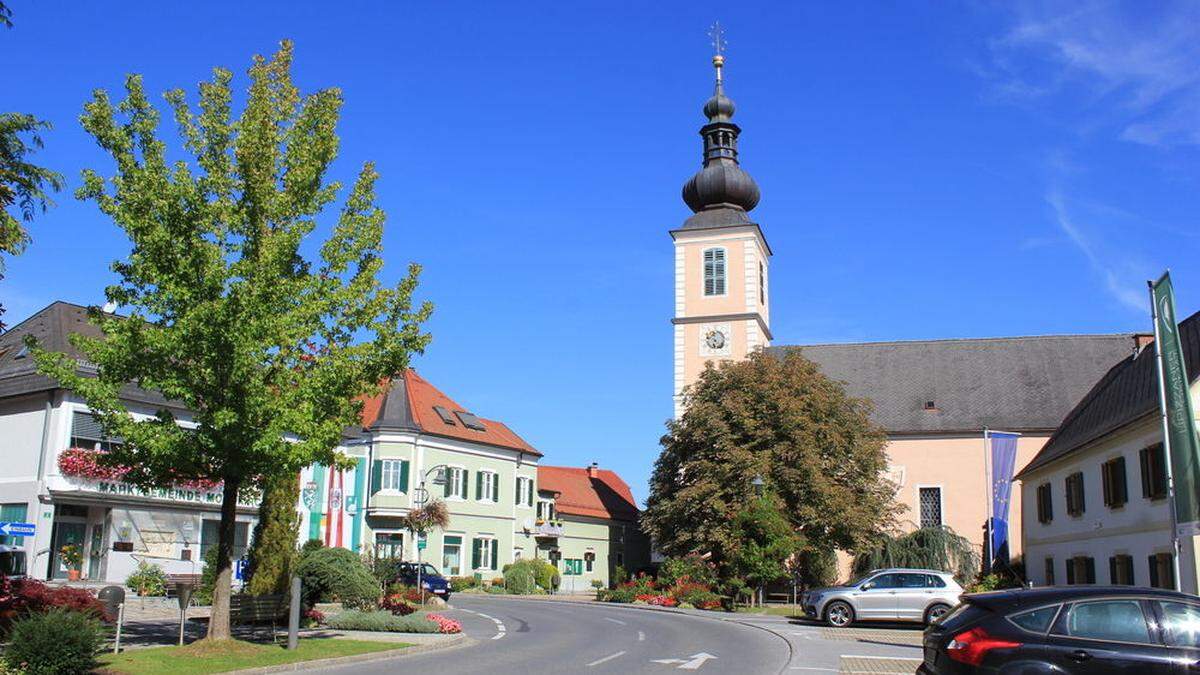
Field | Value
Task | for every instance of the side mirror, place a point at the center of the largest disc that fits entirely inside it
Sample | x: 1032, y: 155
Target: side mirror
x: 867, y: 586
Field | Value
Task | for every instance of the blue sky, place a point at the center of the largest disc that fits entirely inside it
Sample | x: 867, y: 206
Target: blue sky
x: 928, y: 170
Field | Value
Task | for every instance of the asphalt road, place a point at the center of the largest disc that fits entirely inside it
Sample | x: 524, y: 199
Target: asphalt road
x: 530, y: 637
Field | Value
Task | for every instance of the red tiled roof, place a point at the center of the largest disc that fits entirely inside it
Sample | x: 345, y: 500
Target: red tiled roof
x: 422, y: 397
x: 602, y: 496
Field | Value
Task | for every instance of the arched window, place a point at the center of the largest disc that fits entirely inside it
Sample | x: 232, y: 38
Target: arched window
x: 714, y: 271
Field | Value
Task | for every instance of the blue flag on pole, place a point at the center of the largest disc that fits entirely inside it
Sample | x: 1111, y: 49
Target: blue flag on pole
x: 1004, y: 461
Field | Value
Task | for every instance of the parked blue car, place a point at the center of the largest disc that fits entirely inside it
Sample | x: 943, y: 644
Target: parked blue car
x: 431, y: 579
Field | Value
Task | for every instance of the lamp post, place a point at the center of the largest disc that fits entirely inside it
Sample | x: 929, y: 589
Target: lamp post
x: 422, y: 499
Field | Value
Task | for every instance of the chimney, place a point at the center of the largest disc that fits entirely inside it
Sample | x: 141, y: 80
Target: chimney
x: 1141, y: 341
x: 593, y: 470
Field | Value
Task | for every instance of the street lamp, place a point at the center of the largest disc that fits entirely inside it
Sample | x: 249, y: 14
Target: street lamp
x: 422, y: 497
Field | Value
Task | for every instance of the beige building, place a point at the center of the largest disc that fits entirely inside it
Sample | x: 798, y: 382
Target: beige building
x: 934, y: 398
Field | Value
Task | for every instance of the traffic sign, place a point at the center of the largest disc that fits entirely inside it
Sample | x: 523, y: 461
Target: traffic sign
x: 421, y: 543
x: 14, y: 529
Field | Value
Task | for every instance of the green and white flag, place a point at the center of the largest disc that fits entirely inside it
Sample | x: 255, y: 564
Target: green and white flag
x: 1177, y: 404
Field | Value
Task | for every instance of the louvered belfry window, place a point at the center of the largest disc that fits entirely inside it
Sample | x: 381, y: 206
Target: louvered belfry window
x: 714, y: 271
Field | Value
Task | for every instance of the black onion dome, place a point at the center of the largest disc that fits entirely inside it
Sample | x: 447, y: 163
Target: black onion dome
x: 721, y: 189
x: 721, y: 183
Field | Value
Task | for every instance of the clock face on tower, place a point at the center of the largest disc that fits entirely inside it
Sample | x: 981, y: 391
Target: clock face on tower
x: 715, y: 340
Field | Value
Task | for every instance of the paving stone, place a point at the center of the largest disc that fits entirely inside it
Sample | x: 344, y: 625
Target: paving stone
x: 881, y: 635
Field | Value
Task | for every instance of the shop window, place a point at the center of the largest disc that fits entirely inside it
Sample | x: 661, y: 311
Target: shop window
x: 389, y: 545
x: 210, y: 532
x: 452, y: 555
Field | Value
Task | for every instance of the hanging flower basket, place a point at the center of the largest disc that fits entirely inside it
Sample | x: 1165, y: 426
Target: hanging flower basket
x: 85, y: 463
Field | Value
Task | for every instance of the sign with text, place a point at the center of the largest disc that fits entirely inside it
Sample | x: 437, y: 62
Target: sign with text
x: 1177, y: 404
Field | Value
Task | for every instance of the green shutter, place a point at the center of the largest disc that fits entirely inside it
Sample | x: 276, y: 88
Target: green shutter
x: 476, y: 545
x: 517, y: 491
x: 532, y: 489
x: 376, y: 475
x: 495, y: 554
x: 404, y: 475
x: 479, y: 485
x: 465, y: 475
x: 446, y: 474
x: 496, y: 489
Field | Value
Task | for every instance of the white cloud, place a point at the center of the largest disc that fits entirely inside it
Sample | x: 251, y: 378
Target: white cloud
x: 1121, y: 282
x: 1137, y: 64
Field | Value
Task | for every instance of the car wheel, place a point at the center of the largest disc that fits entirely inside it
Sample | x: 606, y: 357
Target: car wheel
x: 936, y: 612
x: 839, y: 614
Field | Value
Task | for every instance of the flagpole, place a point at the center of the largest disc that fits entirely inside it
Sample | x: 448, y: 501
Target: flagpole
x: 987, y: 478
x: 1162, y: 404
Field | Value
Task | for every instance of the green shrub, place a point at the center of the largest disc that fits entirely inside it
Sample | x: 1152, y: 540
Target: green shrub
x: 618, y: 594
x: 547, y: 575
x: 520, y: 577
x: 336, y: 575
x: 687, y: 568
x: 208, y: 578
x: 597, y: 584
x: 58, y: 642
x: 147, y: 579
x: 620, y: 576
x: 311, y: 545
x: 353, y: 619
x: 460, y: 584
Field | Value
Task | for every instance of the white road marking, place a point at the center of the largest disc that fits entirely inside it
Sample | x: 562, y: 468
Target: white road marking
x: 888, y: 658
x: 610, y: 657
x: 609, y: 618
x: 824, y: 670
x: 692, y: 662
x: 501, y: 631
x: 641, y: 636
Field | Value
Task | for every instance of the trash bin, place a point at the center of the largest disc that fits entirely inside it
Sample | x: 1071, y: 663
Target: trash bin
x: 111, y: 597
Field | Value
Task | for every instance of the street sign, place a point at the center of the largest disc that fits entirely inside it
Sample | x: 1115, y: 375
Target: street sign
x: 13, y: 529
x: 421, y: 543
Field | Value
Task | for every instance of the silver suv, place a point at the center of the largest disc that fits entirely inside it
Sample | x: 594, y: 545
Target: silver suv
x: 885, y: 595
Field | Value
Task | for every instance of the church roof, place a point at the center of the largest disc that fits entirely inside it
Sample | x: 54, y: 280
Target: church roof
x: 1126, y: 393
x: 961, y: 386
x: 410, y: 403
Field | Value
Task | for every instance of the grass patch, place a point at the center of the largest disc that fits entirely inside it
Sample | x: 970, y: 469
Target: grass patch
x: 205, y: 656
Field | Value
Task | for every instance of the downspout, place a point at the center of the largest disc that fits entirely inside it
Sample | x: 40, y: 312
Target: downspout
x: 41, y: 471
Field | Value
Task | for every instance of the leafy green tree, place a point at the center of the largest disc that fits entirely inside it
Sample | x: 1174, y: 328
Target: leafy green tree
x: 773, y: 416
x: 764, y: 540
x: 273, y: 548
x: 23, y: 185
x: 270, y: 350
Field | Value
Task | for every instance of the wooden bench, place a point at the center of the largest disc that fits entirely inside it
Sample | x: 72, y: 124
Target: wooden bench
x: 175, y: 580
x: 261, y: 610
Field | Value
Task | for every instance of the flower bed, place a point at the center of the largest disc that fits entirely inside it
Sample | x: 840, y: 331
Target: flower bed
x: 445, y: 625
x: 87, y: 464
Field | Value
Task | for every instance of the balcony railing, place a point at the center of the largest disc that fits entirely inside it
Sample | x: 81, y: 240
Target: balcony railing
x: 548, y: 528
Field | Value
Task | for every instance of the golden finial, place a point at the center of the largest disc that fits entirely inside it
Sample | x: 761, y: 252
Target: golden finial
x: 717, y: 33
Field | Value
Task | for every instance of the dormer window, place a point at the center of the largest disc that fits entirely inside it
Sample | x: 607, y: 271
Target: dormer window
x: 444, y: 414
x: 714, y: 271
x: 470, y: 421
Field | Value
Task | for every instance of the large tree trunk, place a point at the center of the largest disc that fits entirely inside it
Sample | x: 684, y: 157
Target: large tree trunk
x: 218, y: 623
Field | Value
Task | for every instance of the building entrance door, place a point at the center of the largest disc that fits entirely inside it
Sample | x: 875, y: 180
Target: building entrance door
x: 65, y: 534
x: 96, y: 552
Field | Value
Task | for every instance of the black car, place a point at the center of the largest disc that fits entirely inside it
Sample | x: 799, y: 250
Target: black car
x: 1067, y: 629
x: 431, y: 579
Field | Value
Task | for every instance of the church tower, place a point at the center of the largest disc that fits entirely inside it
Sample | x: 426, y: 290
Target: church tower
x: 721, y: 256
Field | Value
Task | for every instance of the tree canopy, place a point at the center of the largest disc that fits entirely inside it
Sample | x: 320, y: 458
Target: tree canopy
x: 270, y: 351
x: 774, y: 416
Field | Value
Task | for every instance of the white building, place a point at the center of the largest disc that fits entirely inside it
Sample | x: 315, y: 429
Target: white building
x: 1094, y: 500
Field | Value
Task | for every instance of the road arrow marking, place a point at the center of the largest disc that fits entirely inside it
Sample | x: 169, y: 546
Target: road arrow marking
x: 692, y: 662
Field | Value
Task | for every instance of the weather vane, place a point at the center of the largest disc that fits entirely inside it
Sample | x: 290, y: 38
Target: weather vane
x: 718, y: 37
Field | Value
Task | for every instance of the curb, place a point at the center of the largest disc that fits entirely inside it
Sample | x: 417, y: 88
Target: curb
x: 459, y: 640
x: 669, y: 610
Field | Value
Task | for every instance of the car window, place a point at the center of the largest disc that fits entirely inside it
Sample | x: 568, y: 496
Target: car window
x: 1037, y: 620
x: 912, y: 580
x: 886, y: 581
x: 428, y: 570
x: 1119, y: 620
x: 1181, y: 624
x: 934, y: 581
